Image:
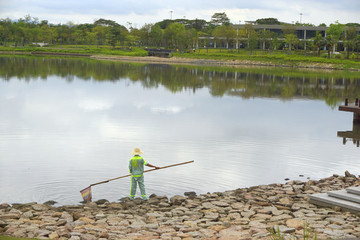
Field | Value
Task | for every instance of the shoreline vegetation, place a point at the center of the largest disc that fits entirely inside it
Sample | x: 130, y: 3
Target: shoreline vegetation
x: 210, y: 57
x: 274, y: 211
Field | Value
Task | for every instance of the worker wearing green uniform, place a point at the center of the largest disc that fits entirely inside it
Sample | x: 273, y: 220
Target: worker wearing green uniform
x: 136, y: 168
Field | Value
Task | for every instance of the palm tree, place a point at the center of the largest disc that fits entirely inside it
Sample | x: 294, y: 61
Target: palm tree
x: 319, y: 42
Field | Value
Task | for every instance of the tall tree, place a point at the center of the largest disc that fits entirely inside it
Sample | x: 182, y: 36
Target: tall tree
x: 220, y: 19
x: 100, y: 32
x: 270, y: 21
x: 291, y: 40
x: 174, y: 34
x: 252, y: 37
x: 350, y: 37
x: 156, y: 35
x: 274, y: 43
x: 265, y: 36
x: 145, y: 34
x: 226, y: 32
x: 333, y: 34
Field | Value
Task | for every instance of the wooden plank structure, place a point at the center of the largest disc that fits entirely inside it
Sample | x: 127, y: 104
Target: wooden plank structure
x: 157, y: 52
x: 347, y: 199
x: 352, y: 108
x: 353, y: 135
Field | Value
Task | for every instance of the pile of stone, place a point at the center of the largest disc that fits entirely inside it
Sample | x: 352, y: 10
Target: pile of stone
x: 246, y: 213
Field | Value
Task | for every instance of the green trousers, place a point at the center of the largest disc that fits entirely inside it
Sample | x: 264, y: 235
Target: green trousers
x: 134, y: 182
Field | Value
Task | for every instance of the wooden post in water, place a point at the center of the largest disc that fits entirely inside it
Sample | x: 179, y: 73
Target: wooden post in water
x: 357, y: 114
x: 355, y: 109
x: 356, y: 117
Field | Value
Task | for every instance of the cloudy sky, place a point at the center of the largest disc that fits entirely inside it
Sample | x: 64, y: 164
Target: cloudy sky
x: 139, y: 12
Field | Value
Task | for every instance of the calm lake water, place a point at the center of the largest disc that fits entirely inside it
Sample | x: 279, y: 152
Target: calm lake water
x: 67, y: 123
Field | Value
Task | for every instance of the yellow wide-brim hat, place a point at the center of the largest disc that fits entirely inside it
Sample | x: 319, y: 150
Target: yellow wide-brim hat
x: 137, y: 151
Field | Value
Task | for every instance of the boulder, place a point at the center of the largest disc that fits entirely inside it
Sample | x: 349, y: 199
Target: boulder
x: 296, y: 223
x: 40, y: 207
x: 177, y: 200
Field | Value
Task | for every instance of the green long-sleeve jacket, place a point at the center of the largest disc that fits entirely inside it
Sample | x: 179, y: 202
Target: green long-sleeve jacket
x: 136, y: 166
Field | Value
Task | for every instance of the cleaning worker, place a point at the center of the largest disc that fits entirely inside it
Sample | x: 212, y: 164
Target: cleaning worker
x: 136, y: 168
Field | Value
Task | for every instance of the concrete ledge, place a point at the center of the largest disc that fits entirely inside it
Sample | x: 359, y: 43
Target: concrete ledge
x: 345, y: 195
x: 353, y: 190
x: 323, y: 199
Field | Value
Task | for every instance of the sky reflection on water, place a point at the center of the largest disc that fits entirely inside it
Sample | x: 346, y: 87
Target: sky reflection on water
x: 57, y: 137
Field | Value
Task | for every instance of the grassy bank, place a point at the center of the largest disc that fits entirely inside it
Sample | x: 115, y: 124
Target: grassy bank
x: 14, y: 238
x: 245, y: 57
x: 80, y: 49
x: 296, y: 59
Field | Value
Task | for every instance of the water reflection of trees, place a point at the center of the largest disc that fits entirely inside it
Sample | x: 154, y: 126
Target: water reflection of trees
x: 245, y: 83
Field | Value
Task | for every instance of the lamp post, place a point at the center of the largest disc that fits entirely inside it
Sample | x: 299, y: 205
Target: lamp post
x: 171, y: 14
x: 300, y: 16
x: 237, y: 36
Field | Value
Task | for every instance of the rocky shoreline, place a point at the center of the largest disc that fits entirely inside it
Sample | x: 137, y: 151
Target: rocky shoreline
x: 245, y: 213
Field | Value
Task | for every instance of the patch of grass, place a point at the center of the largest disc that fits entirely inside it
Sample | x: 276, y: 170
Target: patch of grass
x: 92, y: 50
x: 278, y: 58
x: 308, y: 233
x: 14, y: 238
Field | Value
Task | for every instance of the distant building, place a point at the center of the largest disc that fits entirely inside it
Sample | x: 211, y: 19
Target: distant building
x: 302, y: 32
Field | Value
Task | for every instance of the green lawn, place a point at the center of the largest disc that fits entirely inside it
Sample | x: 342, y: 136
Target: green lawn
x: 279, y: 58
x: 83, y: 49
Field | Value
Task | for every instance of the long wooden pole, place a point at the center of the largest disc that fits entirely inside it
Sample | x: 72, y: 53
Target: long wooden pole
x: 150, y: 170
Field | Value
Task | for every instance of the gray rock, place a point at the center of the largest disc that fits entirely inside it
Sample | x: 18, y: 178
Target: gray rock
x: 247, y: 214
x: 51, y: 202
x: 177, y: 200
x: 208, y: 205
x: 88, y: 237
x: 3, y: 224
x: 4, y: 206
x: 67, y: 217
x: 138, y: 224
x: 28, y: 214
x: 220, y: 203
x: 152, y: 225
x: 101, y: 201
x: 211, y: 215
x: 10, y: 216
x: 40, y: 207
x: 280, y: 218
x: 190, y: 195
x: 75, y: 238
x: 284, y: 229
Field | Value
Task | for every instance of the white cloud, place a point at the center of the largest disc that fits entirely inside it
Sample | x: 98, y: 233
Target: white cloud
x: 170, y: 110
x: 90, y: 105
x: 152, y: 11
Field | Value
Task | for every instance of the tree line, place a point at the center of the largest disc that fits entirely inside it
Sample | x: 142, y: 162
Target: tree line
x: 180, y: 34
